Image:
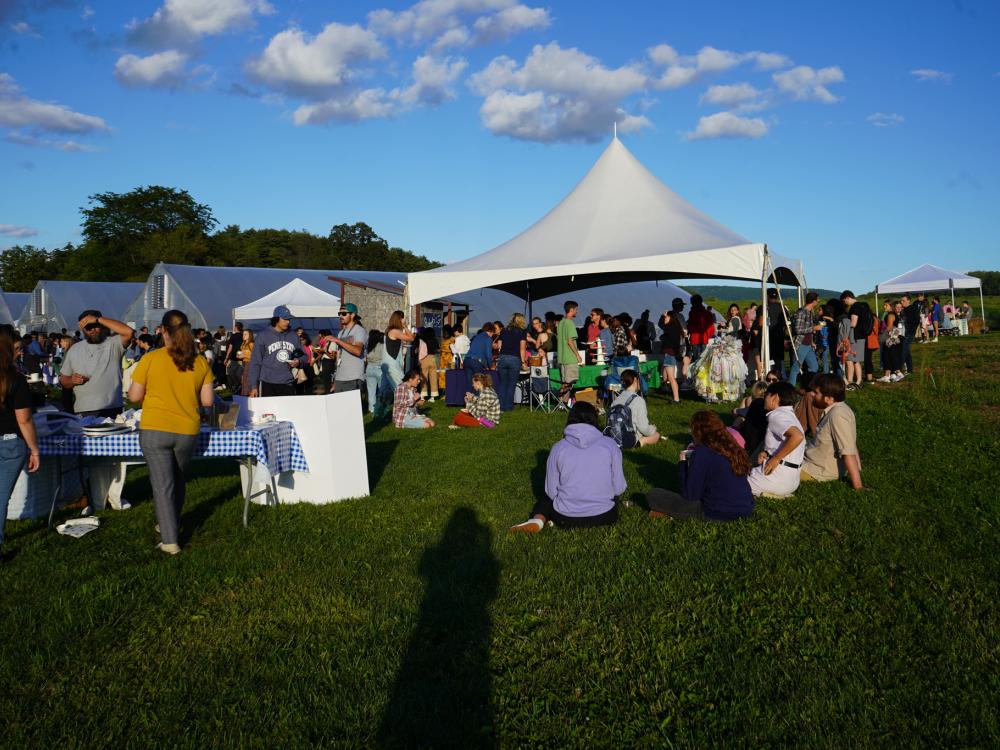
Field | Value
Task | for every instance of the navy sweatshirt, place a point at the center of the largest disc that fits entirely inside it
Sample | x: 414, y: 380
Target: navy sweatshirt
x: 708, y: 477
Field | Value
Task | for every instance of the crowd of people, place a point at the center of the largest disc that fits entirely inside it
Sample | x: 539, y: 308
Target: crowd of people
x: 793, y: 425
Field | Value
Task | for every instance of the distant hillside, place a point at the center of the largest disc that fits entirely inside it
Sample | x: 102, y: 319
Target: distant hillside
x: 747, y: 292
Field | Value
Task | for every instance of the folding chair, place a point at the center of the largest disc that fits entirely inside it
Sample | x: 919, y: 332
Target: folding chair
x: 613, y: 382
x: 542, y: 397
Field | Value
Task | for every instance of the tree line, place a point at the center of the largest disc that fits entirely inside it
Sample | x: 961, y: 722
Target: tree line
x: 125, y: 234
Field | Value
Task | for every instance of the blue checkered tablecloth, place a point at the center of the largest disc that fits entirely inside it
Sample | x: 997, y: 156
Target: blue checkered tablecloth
x: 275, y: 445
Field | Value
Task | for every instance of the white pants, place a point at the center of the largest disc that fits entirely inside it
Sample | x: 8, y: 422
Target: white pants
x: 107, y: 477
x: 781, y: 482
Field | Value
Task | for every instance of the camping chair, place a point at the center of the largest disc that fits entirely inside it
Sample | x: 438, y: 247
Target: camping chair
x: 540, y: 390
x: 613, y: 382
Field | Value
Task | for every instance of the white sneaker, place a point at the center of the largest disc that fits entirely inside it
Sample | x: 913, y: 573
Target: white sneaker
x: 87, y: 512
x: 900, y: 376
x: 123, y: 504
x: 885, y: 379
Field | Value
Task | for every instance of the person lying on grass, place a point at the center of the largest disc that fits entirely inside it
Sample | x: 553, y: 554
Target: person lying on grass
x: 713, y: 477
x: 583, y: 477
x: 777, y: 472
x: 482, y: 404
x: 405, y: 403
x: 833, y: 453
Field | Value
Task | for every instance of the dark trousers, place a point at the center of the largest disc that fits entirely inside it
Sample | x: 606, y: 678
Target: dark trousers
x: 673, y: 504
x: 907, y: 357
x: 326, y: 368
x: 869, y: 362
x: 103, y: 413
x: 234, y: 375
x: 545, y: 508
x: 277, y: 389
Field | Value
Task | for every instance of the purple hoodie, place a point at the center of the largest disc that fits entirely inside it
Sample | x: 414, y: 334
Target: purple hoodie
x: 584, y: 472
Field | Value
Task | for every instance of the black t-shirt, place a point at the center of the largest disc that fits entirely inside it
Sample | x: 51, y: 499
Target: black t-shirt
x: 235, y: 342
x: 510, y: 341
x: 865, y: 320
x: 18, y: 397
x: 911, y: 318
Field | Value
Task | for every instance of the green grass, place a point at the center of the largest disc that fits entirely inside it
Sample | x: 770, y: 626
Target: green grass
x: 411, y: 618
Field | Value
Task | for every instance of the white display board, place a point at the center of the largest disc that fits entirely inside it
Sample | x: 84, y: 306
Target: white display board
x: 32, y: 495
x: 332, y: 433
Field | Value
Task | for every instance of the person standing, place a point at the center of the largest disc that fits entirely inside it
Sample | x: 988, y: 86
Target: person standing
x: 776, y: 333
x: 393, y: 354
x: 234, y: 367
x: 427, y: 360
x: 644, y: 332
x: 567, y: 353
x: 93, y: 371
x: 700, y: 329
x: 856, y: 339
x: 670, y: 352
x: 934, y: 317
x: 479, y: 355
x: 171, y: 383
x: 351, y: 341
x: 276, y: 351
x: 804, y: 328
x: 19, y: 445
x: 911, y: 324
x: 513, y: 357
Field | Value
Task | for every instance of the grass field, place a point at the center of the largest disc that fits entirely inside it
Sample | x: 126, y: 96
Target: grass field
x: 412, y: 618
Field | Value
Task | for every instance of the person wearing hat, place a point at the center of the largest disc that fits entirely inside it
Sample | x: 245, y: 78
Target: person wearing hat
x: 276, y: 351
x: 351, y: 339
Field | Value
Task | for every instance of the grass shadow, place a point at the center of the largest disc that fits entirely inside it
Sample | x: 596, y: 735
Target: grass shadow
x: 657, y: 471
x: 442, y: 693
x: 379, y: 455
x: 537, y: 477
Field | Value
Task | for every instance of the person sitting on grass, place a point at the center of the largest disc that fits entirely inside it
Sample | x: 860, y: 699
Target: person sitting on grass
x: 482, y: 404
x: 757, y: 391
x: 405, y: 403
x: 583, y: 477
x: 713, y: 477
x: 643, y: 431
x: 833, y: 453
x: 777, y: 472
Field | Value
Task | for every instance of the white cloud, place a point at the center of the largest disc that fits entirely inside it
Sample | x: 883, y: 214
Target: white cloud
x: 664, y: 54
x: 24, y: 29
x: 13, y: 230
x: 297, y: 62
x: 683, y: 70
x: 363, y: 105
x: 87, y: 12
x: 70, y: 146
x: 432, y: 81
x: 769, y: 60
x: 18, y: 111
x: 444, y: 21
x: 727, y: 125
x: 886, y: 120
x: 805, y: 84
x: 727, y: 96
x: 160, y: 70
x: 929, y: 75
x: 182, y: 21
x: 557, y: 95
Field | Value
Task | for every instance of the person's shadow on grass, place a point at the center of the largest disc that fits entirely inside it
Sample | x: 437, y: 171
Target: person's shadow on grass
x: 441, y: 697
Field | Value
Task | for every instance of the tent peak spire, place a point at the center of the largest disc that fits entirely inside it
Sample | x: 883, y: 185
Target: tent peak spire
x: 616, y: 129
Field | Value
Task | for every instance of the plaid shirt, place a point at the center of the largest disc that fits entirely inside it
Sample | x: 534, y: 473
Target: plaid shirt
x: 621, y: 341
x: 802, y: 324
x: 403, y: 404
x: 486, y: 404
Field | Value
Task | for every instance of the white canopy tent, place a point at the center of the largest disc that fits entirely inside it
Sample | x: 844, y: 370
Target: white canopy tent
x: 302, y: 299
x: 619, y: 224
x: 928, y: 278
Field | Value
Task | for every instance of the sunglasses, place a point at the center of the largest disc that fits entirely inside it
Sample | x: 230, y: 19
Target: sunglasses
x: 342, y: 314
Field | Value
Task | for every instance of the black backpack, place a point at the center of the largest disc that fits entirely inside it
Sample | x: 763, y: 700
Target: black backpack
x: 619, y: 427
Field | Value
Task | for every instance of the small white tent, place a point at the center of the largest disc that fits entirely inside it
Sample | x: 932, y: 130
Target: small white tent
x: 302, y: 299
x: 928, y: 278
x: 619, y: 224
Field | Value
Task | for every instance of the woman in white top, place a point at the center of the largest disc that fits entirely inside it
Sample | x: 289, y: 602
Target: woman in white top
x: 777, y: 474
x: 645, y: 431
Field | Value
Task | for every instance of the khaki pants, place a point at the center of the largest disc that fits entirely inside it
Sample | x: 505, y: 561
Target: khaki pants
x: 428, y: 368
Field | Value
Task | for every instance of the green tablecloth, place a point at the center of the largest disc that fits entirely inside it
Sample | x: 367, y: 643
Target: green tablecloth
x: 592, y: 376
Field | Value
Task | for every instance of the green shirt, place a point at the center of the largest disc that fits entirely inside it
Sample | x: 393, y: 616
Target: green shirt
x: 565, y: 332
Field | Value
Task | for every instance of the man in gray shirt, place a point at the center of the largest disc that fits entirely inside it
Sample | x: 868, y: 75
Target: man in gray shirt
x: 351, y: 340
x: 93, y: 370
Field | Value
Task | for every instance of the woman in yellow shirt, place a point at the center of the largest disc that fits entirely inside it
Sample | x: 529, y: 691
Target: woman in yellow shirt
x: 170, y: 383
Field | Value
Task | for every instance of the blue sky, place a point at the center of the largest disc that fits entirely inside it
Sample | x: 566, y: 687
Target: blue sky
x: 861, y: 137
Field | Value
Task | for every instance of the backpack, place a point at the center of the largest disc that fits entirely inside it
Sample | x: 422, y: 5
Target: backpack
x: 619, y: 427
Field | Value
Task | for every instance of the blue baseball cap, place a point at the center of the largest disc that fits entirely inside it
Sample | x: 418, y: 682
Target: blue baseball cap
x: 282, y: 312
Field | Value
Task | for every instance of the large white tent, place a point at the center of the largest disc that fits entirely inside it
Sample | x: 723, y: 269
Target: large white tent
x: 929, y: 278
x: 302, y: 300
x: 619, y: 224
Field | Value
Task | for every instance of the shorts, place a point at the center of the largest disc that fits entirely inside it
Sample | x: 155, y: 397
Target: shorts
x: 668, y: 360
x: 857, y: 353
x: 414, y: 423
x: 342, y: 386
x: 569, y: 373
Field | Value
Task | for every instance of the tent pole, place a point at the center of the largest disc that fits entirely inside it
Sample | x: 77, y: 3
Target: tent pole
x: 951, y: 285
x: 982, y: 305
x: 876, y: 299
x: 528, y: 285
x: 765, y: 339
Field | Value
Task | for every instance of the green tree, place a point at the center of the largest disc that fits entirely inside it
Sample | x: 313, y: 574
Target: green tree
x: 23, y: 266
x: 990, y: 279
x: 358, y: 247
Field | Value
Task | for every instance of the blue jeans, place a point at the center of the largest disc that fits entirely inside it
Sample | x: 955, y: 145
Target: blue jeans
x: 508, y: 368
x: 373, y: 376
x: 806, y: 358
x: 826, y: 360
x: 13, y: 456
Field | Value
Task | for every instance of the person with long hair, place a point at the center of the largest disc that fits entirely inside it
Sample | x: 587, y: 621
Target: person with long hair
x: 643, y: 431
x: 713, y: 477
x: 513, y: 357
x: 671, y: 343
x: 583, y: 477
x: 19, y: 447
x: 427, y: 361
x: 482, y: 406
x: 243, y: 355
x: 171, y: 383
x: 393, y: 354
x: 373, y: 367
